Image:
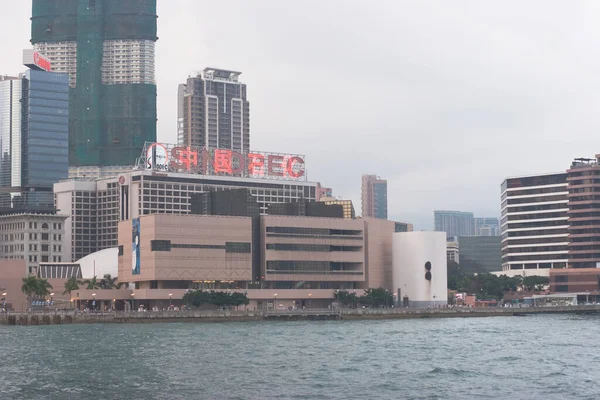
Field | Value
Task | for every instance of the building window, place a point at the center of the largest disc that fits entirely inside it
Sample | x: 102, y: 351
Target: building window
x: 45, y: 247
x: 160, y: 245
x: 44, y: 258
x: 562, y: 288
x: 561, y: 278
x: 120, y: 250
x: 233, y: 247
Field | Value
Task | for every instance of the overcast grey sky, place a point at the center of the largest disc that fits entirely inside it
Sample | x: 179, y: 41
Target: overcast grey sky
x: 443, y: 98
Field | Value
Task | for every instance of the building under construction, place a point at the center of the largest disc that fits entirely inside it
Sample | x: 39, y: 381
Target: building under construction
x: 107, y: 48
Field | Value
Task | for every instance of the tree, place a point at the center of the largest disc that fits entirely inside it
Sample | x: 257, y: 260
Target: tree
x: 108, y: 282
x: 197, y: 298
x: 376, y: 297
x: 42, y: 288
x: 92, y: 284
x: 531, y: 283
x: 29, y: 288
x: 71, y: 284
x: 345, y: 297
x: 239, y: 299
x: 33, y: 286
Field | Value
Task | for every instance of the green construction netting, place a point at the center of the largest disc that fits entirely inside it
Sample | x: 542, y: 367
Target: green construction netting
x: 109, y: 124
x: 53, y: 20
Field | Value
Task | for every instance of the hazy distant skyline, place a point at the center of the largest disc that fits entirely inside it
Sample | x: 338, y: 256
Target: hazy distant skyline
x: 443, y: 99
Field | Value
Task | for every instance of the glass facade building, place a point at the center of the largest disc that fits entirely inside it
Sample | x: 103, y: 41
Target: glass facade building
x: 374, y: 197
x: 34, y: 135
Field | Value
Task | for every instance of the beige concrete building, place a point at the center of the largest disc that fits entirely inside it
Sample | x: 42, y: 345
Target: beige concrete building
x: 176, y: 251
x: 307, y: 252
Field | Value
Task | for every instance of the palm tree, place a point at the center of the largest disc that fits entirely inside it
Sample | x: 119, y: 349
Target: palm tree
x: 71, y: 284
x: 42, y: 288
x: 108, y: 282
x: 29, y: 288
x: 92, y: 284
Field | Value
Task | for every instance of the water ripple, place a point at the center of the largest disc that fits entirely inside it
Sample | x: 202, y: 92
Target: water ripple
x: 550, y: 357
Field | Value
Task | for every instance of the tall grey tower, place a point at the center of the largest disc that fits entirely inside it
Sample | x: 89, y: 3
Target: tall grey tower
x: 213, y: 111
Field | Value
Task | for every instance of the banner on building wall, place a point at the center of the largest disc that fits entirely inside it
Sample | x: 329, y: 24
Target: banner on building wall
x: 135, y: 256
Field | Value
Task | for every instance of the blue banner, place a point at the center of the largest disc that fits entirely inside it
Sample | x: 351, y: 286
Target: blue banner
x: 135, y: 246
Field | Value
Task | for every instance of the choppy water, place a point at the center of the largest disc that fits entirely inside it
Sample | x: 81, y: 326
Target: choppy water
x: 536, y: 357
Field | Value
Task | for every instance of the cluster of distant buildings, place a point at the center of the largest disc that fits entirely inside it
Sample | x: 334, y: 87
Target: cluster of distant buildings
x: 86, y: 189
x: 549, y: 226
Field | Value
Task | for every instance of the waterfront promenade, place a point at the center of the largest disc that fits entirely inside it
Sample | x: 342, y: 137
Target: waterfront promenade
x: 71, y: 317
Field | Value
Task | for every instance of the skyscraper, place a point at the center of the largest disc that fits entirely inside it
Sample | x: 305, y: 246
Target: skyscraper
x: 107, y: 48
x: 213, y: 111
x: 454, y: 223
x: 487, y: 227
x: 374, y: 197
x: 34, y: 112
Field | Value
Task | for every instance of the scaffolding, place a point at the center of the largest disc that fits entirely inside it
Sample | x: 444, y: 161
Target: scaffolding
x: 112, y: 109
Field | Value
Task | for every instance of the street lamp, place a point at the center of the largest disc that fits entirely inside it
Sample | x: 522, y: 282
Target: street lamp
x: 310, y: 300
x: 132, y: 301
x: 395, y: 303
x: 4, y: 300
x: 51, y: 298
x: 275, y: 302
x: 170, y: 297
x: 94, y: 301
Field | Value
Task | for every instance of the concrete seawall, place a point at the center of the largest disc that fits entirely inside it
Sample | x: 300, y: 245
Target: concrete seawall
x: 58, y: 318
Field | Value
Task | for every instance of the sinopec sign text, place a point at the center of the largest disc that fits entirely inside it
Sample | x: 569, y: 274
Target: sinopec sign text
x: 207, y: 161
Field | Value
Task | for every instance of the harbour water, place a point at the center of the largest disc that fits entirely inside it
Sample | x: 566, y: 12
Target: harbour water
x: 533, y: 357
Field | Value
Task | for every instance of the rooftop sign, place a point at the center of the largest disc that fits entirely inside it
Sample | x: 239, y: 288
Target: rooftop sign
x: 35, y: 60
x: 225, y: 162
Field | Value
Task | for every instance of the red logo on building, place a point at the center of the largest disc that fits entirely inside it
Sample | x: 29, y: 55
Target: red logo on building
x: 41, y: 61
x: 122, y: 180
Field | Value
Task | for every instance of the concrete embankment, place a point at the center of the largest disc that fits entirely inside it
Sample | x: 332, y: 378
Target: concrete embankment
x: 58, y: 318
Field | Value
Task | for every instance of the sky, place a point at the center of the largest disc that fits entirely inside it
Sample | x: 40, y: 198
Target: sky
x: 443, y: 99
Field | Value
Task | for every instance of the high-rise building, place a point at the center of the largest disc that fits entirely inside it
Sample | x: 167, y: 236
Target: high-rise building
x: 487, y: 227
x: 213, y: 111
x: 483, y: 253
x: 34, y: 112
x: 374, y: 197
x: 454, y: 223
x: 534, y: 223
x: 107, y: 49
x: 584, y: 213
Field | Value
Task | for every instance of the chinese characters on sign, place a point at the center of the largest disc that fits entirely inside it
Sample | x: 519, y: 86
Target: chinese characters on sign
x: 161, y: 157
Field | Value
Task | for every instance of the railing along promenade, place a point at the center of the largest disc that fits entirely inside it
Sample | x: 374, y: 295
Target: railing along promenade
x: 76, y: 317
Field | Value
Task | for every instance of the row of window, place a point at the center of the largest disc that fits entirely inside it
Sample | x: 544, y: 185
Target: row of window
x: 229, y: 247
x: 311, y: 247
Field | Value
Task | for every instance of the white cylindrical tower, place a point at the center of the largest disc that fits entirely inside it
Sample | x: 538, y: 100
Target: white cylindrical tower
x: 419, y: 271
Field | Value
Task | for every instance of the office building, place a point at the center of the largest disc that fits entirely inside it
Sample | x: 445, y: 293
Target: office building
x: 454, y: 223
x: 481, y: 253
x: 107, y: 49
x: 487, y: 227
x: 34, y: 238
x: 33, y: 137
x: 584, y: 213
x: 347, y: 206
x: 452, y: 251
x: 213, y: 111
x: 534, y: 223
x: 374, y: 197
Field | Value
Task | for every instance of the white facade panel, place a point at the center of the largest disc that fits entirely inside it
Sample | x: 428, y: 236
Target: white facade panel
x: 412, y: 251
